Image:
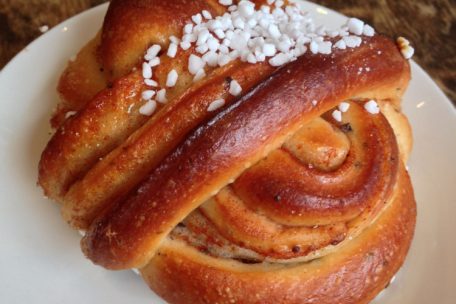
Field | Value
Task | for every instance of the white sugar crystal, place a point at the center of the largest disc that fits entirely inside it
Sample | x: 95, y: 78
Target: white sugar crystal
x: 246, y: 8
x: 148, y: 94
x: 171, y: 80
x: 279, y: 59
x: 211, y: 58
x: 352, y: 41
x: 197, y: 18
x: 206, y: 14
x: 202, y: 37
x: 152, y: 52
x: 202, y: 49
x: 174, y: 39
x: 314, y: 47
x: 344, y: 106
x: 223, y: 59
x: 408, y: 52
x: 260, y: 57
x: 252, y: 23
x: 219, y: 33
x: 355, y: 26
x: 280, y: 32
x: 368, y: 30
x: 185, y: 45
x: 215, y: 105
x: 279, y: 3
x: 150, y: 82
x: 146, y: 70
x: 161, y: 96
x: 333, y: 34
x: 274, y: 31
x: 227, y: 22
x: 229, y: 34
x: 251, y: 58
x: 199, y: 75
x: 239, y: 23
x: 337, y: 115
x: 340, y: 44
x: 172, y: 50
x: 189, y: 37
x: 343, y: 33
x: 235, y: 88
x: 188, y: 28
x: 215, y: 24
x: 154, y: 62
x: 324, y: 47
x: 284, y: 46
x: 213, y: 44
x: 238, y: 42
x: 223, y: 49
x: 234, y: 54
x: 148, y: 108
x: 269, y: 49
x: 226, y: 2
x: 372, y: 107
x: 195, y: 63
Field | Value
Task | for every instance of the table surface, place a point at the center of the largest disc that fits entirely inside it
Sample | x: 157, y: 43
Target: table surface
x: 429, y: 25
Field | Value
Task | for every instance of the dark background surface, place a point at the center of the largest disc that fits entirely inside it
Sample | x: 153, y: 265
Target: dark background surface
x: 429, y: 25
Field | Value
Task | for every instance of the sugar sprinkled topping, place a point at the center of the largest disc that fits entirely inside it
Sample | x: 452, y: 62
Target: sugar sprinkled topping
x: 161, y: 96
x: 152, y: 52
x: 355, y: 26
x: 172, y: 50
x: 277, y: 34
x: 406, y: 50
x: 226, y: 2
x: 148, y: 108
x: 344, y: 106
x: 195, y: 63
x: 171, y: 80
x: 150, y: 82
x: 372, y: 107
x: 215, y: 105
x: 199, y: 75
x: 146, y: 70
x: 337, y: 115
x: 148, y: 94
x: 235, y: 88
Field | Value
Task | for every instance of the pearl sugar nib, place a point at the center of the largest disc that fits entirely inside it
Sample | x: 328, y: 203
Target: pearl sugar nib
x: 372, y: 107
x: 148, y: 108
x: 406, y: 50
x: 276, y: 33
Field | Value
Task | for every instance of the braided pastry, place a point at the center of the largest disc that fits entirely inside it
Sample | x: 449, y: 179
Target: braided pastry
x: 271, y: 198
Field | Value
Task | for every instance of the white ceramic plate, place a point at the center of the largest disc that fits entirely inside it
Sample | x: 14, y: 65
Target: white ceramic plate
x: 40, y: 259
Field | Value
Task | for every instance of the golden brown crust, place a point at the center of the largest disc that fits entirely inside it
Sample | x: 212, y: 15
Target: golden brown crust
x: 129, y: 234
x: 285, y: 209
x: 82, y: 79
x: 354, y: 274
x: 131, y: 26
x: 129, y: 163
x: 289, y: 205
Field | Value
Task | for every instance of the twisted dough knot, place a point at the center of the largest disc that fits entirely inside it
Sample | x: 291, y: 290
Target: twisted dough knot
x: 269, y: 191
